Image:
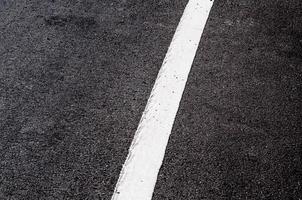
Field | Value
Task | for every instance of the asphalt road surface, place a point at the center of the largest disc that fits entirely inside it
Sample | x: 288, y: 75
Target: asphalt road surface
x: 238, y: 133
x: 75, y: 77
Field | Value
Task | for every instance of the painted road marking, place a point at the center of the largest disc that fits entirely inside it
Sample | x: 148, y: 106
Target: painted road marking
x: 139, y: 173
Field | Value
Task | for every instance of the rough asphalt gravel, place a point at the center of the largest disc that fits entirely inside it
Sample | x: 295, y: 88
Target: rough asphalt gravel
x: 238, y: 132
x: 74, y: 79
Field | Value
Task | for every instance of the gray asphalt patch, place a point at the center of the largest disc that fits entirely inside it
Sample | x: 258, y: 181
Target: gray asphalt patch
x: 74, y: 79
x: 238, y: 131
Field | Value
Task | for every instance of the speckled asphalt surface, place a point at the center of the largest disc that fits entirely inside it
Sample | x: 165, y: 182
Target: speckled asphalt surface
x: 75, y: 77
x: 238, y: 131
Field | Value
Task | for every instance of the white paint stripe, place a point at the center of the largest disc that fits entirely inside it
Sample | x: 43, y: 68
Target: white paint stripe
x: 139, y: 173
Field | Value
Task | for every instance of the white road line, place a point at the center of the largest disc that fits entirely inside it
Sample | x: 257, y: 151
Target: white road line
x: 139, y: 173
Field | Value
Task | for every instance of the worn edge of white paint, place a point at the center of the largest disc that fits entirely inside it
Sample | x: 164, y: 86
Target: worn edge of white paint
x: 139, y: 174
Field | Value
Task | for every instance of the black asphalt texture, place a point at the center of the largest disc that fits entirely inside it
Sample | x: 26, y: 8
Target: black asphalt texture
x: 75, y: 77
x: 237, y: 135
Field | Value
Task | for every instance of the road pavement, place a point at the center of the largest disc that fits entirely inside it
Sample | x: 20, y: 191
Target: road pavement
x: 237, y: 134
x: 75, y: 77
